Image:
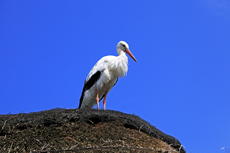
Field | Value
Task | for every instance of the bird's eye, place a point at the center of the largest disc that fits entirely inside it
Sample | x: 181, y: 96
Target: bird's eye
x: 123, y: 45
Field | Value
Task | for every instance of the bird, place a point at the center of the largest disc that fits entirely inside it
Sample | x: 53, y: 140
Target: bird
x: 104, y: 75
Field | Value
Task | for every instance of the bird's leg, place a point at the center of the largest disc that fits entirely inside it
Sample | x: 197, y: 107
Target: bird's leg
x: 104, y: 100
x: 97, y: 99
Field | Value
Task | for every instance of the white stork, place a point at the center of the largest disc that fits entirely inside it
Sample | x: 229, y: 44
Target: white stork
x: 104, y: 75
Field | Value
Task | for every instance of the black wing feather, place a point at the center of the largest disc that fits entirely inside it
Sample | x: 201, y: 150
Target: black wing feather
x: 88, y: 84
x: 115, y: 82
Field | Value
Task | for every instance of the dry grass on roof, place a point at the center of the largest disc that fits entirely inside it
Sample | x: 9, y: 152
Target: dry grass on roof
x: 82, y: 129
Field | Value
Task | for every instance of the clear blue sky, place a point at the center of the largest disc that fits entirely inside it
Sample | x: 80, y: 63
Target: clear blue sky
x: 181, y: 83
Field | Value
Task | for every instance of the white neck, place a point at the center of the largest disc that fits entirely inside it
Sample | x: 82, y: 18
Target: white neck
x: 122, y: 56
x: 120, y: 65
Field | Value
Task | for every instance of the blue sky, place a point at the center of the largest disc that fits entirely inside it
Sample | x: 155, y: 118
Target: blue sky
x: 181, y: 83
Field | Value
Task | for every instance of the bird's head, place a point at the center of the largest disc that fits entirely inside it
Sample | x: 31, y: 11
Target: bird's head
x: 123, y: 46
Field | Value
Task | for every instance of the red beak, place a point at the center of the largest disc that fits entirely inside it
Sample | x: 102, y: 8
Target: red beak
x: 130, y: 54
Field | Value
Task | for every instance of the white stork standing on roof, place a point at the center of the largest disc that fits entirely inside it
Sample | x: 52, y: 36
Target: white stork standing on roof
x: 104, y: 75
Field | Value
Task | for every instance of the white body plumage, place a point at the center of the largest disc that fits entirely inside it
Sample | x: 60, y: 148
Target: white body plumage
x: 104, y: 75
